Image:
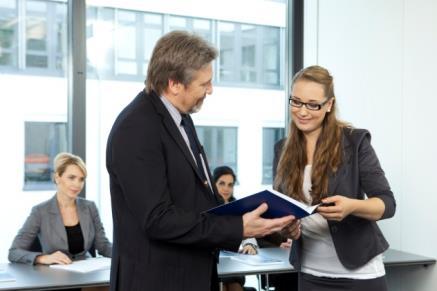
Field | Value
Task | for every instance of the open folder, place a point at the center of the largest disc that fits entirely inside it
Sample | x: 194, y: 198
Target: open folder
x: 279, y: 205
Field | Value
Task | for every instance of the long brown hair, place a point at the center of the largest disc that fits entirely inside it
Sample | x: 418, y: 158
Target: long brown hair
x: 327, y: 155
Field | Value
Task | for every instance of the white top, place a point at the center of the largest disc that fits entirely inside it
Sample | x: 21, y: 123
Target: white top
x: 319, y: 257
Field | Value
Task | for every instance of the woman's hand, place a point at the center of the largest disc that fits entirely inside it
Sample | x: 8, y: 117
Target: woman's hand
x: 57, y: 257
x: 372, y: 208
x: 292, y: 230
x: 286, y: 244
x: 249, y: 249
x: 342, y: 207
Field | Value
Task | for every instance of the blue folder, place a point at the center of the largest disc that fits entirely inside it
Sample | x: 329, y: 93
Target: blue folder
x: 279, y: 205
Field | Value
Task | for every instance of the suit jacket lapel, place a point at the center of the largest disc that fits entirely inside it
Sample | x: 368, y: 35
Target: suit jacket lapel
x: 85, y: 222
x: 174, y: 132
x: 59, y: 232
x: 334, y: 179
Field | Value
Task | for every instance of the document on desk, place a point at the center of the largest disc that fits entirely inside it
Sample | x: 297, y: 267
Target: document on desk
x: 6, y: 277
x: 86, y: 266
x: 254, y: 260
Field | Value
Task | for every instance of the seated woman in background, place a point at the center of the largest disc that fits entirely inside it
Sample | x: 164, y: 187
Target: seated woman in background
x: 224, y: 179
x: 66, y: 225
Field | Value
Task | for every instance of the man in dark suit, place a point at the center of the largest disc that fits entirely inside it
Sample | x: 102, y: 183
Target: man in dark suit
x: 161, y: 184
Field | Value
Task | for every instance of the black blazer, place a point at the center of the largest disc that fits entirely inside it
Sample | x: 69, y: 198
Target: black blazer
x: 162, y: 240
x: 356, y: 240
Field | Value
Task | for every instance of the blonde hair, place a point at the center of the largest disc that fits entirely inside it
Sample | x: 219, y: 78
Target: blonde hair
x: 63, y: 160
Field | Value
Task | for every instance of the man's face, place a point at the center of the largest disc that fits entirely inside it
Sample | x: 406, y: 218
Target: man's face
x: 191, y: 96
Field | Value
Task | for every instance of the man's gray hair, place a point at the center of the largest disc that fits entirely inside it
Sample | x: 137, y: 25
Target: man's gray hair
x: 177, y: 56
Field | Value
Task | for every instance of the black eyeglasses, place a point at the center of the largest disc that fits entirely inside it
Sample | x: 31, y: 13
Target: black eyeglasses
x: 310, y: 105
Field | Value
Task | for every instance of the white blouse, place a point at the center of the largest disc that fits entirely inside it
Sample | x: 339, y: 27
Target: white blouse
x: 319, y: 257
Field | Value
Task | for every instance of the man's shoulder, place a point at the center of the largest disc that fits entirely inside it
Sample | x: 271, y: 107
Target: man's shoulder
x: 142, y: 107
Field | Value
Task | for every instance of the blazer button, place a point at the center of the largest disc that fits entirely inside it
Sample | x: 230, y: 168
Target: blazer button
x: 334, y: 229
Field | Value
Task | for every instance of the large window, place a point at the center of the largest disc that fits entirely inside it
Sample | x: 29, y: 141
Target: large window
x: 248, y: 87
x: 33, y: 113
x: 121, y: 42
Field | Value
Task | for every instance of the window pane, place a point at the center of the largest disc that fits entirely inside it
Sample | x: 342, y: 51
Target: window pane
x: 8, y: 33
x: 152, y: 32
x: 44, y: 140
x: 60, y: 37
x: 270, y: 137
x: 227, y: 51
x: 100, y: 42
x: 202, y: 28
x: 36, y: 34
x: 271, y: 54
x: 176, y: 22
x: 126, y: 43
x: 220, y: 145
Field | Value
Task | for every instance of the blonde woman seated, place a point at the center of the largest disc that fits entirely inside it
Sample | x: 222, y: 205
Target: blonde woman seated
x: 67, y: 226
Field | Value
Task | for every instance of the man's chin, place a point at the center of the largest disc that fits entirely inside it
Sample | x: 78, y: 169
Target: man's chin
x: 196, y: 107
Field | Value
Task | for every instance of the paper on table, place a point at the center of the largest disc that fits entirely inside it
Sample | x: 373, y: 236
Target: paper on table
x: 254, y: 260
x: 5, y: 276
x: 85, y: 266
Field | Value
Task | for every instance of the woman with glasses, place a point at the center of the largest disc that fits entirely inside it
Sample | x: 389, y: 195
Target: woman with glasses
x: 324, y: 160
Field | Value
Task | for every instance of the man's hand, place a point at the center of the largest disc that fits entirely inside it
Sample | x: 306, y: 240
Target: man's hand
x: 57, y: 257
x: 256, y: 226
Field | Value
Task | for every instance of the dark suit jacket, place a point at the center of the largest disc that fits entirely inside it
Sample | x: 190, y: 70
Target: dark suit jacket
x: 356, y: 240
x: 45, y: 223
x: 162, y: 240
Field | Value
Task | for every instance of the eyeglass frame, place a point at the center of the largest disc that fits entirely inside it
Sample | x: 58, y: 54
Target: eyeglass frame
x: 319, y: 105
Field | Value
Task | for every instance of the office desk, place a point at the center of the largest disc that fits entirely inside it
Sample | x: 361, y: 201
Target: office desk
x: 40, y: 277
x: 228, y: 267
x: 395, y: 258
x: 45, y: 278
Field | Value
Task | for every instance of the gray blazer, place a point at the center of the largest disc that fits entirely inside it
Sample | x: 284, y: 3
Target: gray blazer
x: 356, y: 240
x: 45, y: 222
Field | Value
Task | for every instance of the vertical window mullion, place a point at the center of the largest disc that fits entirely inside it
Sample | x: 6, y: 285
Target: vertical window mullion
x: 21, y: 13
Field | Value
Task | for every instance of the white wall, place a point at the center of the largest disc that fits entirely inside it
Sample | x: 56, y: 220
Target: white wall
x: 382, y: 55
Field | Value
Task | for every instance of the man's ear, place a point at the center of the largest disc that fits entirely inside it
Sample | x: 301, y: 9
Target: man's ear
x: 174, y: 87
